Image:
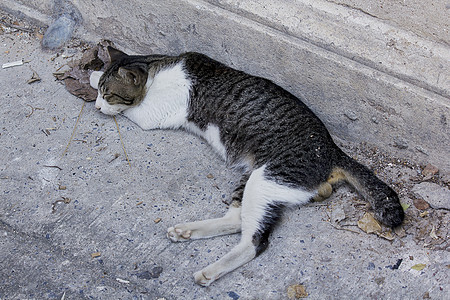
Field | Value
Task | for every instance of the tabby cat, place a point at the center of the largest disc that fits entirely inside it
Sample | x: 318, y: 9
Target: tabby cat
x: 285, y: 152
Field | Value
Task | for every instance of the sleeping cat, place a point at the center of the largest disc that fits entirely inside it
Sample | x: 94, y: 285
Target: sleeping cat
x: 286, y: 153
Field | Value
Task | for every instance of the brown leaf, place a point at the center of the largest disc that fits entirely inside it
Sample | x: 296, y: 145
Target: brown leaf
x: 75, y: 87
x: 421, y: 204
x: 297, y: 291
x: 76, y: 78
x: 386, y: 235
x: 368, y: 224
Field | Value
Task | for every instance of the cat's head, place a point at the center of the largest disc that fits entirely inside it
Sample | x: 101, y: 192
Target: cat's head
x: 122, y: 85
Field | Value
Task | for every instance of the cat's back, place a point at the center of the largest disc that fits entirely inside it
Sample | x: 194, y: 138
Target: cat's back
x: 257, y: 116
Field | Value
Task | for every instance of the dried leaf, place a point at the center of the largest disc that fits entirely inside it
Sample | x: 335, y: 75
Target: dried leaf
x: 405, y: 206
x: 34, y: 78
x: 76, y: 78
x: 419, y: 267
x: 386, y: 235
x: 433, y: 233
x: 368, y: 224
x: 297, y: 291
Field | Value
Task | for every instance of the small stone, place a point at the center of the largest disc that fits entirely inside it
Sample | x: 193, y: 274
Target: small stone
x: 154, y: 273
x: 233, y: 295
x: 421, y: 204
x: 59, y: 32
x: 371, y: 266
x: 351, y: 115
x: 430, y: 170
x: 422, y: 150
x: 379, y: 280
x: 210, y: 176
x: 400, y: 143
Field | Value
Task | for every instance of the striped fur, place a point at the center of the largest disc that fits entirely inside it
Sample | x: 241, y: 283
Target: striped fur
x: 285, y: 152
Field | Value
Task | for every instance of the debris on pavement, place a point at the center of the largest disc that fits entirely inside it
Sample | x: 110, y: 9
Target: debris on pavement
x: 64, y: 200
x: 76, y: 78
x: 34, y: 78
x: 418, y: 267
x: 13, y: 64
x: 297, y: 291
x: 368, y: 224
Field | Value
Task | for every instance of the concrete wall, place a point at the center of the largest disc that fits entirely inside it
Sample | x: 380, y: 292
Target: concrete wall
x: 428, y: 19
x: 368, y: 73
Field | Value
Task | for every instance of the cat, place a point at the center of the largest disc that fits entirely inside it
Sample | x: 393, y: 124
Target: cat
x: 285, y: 152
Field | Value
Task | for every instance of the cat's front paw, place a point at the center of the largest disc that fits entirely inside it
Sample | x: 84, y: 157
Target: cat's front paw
x: 178, y: 233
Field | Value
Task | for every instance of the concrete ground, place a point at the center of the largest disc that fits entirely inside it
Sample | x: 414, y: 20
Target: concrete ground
x: 78, y: 222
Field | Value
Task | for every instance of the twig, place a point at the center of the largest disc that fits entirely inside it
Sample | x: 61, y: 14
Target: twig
x: 53, y: 167
x: 17, y: 27
x: 74, y: 128
x: 120, y: 137
x: 63, y: 200
x: 32, y: 110
x: 341, y: 228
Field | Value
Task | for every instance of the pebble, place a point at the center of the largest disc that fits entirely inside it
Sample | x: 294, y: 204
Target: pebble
x: 154, y: 273
x: 437, y: 196
x: 58, y: 33
x: 351, y: 115
x: 400, y: 143
x: 421, y: 204
x: 233, y: 295
x: 430, y: 170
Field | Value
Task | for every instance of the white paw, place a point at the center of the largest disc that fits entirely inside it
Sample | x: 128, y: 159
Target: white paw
x: 202, y: 279
x: 178, y: 233
x: 95, y: 78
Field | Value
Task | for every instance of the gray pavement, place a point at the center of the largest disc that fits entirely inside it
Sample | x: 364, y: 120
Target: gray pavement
x: 83, y: 224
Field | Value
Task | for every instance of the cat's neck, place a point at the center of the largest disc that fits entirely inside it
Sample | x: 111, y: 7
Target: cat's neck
x: 165, y: 104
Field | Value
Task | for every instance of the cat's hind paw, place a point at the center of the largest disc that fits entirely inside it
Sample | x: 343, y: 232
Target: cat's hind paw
x: 178, y: 234
x: 201, y: 278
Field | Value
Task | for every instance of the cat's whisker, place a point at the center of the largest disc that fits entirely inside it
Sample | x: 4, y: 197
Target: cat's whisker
x: 120, y: 137
x: 74, y: 129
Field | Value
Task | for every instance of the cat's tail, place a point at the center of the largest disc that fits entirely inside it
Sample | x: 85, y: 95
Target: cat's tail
x: 383, y: 199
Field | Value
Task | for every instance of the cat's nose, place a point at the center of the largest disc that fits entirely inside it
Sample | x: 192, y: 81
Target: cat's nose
x: 98, y: 107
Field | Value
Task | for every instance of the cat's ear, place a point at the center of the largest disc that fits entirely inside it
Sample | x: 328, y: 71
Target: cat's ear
x: 115, y: 54
x: 133, y: 74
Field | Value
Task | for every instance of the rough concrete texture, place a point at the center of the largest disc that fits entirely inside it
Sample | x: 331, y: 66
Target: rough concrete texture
x: 83, y: 224
x: 425, y: 18
x: 368, y: 78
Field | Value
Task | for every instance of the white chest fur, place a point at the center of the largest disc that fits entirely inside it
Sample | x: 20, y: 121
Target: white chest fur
x: 165, y: 106
x: 166, y: 102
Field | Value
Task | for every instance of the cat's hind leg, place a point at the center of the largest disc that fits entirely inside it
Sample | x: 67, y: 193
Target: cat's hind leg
x: 228, y: 224
x: 262, y: 205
